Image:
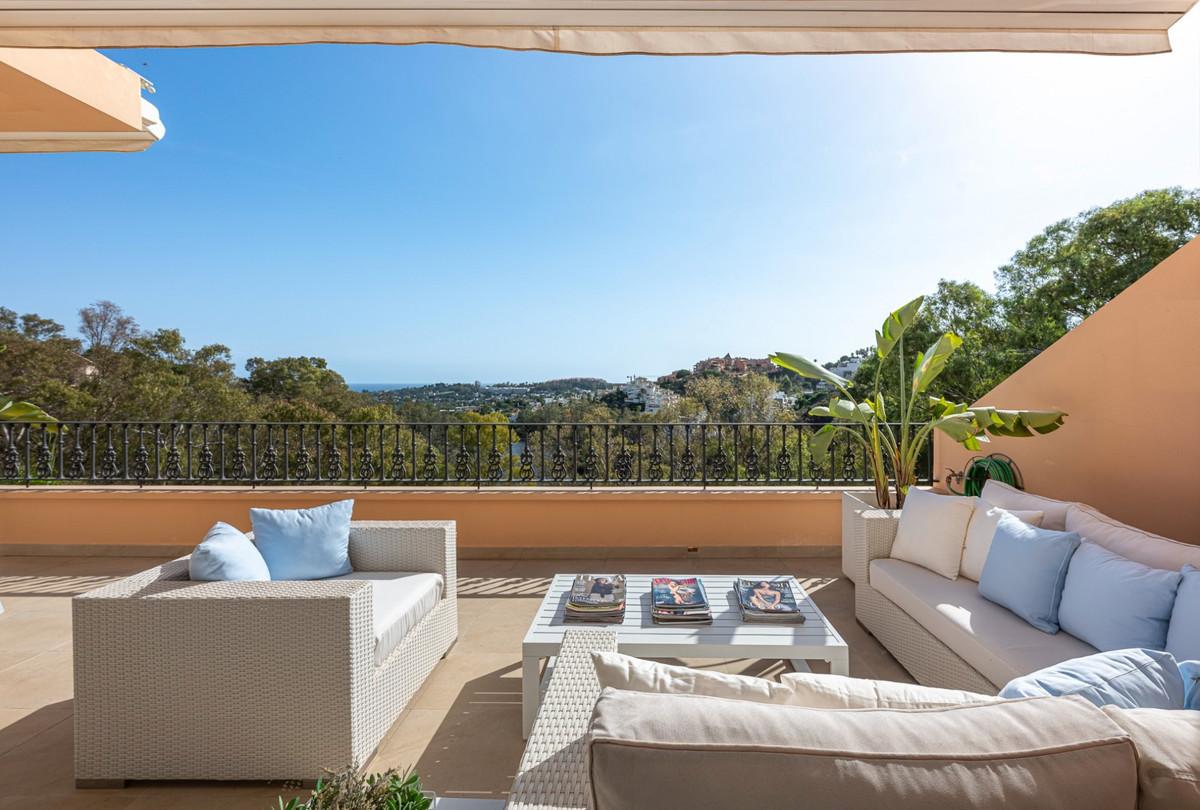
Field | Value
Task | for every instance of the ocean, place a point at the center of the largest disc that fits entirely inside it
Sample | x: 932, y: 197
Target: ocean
x: 371, y: 387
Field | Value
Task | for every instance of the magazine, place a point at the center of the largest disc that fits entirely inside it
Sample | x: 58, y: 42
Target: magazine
x: 768, y: 600
x: 596, y: 598
x: 680, y: 600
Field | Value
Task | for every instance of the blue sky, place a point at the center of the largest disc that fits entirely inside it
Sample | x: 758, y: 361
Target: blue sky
x: 436, y: 213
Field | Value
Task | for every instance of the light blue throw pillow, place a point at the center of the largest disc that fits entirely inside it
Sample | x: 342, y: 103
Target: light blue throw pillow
x: 1131, y: 679
x: 1190, y: 671
x: 227, y: 555
x: 305, y: 543
x: 1025, y: 570
x: 1114, y: 603
x: 1183, y: 635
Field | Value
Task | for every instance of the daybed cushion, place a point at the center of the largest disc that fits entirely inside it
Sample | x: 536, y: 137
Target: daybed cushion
x: 988, y: 637
x: 399, y: 601
x: 932, y: 531
x: 821, y: 691
x: 226, y: 554
x: 1149, y: 549
x: 1025, y: 570
x: 1114, y: 603
x: 1012, y: 499
x: 304, y: 543
x: 1168, y: 766
x: 1132, y: 679
x: 1183, y: 634
x: 982, y: 529
x: 692, y: 751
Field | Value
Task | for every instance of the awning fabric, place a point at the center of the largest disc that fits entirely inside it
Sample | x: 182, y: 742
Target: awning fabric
x: 607, y: 26
x: 58, y: 100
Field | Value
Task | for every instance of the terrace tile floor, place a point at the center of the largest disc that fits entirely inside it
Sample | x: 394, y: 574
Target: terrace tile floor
x: 462, y: 731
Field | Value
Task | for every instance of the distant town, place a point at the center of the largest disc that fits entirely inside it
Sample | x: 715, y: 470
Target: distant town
x: 637, y: 394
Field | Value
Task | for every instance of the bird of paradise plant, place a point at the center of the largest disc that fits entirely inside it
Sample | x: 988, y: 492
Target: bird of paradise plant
x: 865, y: 420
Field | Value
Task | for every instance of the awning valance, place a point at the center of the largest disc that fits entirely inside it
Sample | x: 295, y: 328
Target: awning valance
x: 607, y: 26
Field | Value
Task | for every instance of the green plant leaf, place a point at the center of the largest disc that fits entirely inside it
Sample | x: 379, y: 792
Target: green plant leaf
x: 1000, y: 422
x: 807, y: 368
x: 13, y: 411
x: 933, y: 362
x: 851, y: 411
x: 888, y: 335
x: 944, y: 407
x: 963, y: 428
x: 818, y: 443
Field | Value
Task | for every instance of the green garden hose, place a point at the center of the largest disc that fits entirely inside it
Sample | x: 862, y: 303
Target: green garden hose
x: 979, y: 469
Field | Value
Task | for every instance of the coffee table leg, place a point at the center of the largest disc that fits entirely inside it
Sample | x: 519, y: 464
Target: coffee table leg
x: 531, y: 691
x: 839, y: 663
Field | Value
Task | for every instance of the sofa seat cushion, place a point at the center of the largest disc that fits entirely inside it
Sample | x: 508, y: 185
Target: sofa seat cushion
x: 399, y: 601
x: 993, y: 640
x: 693, y: 751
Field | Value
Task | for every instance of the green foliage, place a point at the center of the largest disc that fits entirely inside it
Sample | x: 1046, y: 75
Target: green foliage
x: 352, y: 790
x: 864, y: 420
x: 1078, y: 265
x: 12, y: 410
x: 1060, y: 277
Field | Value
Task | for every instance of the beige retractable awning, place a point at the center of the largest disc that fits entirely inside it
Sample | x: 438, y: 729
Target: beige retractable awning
x: 72, y: 101
x: 608, y: 26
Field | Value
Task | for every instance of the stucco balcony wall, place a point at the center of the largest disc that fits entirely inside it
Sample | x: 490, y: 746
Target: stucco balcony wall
x: 497, y: 522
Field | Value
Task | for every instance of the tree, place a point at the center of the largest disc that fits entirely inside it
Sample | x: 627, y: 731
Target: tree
x: 1076, y: 266
x: 106, y: 327
x: 302, y: 378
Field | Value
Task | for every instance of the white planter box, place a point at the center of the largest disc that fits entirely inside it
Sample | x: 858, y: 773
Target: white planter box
x: 854, y: 548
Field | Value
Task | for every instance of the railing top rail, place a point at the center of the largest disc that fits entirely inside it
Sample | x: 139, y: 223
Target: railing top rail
x: 422, y: 423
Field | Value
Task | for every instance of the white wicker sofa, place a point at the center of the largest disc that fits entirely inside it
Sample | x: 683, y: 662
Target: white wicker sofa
x: 177, y: 679
x: 946, y: 634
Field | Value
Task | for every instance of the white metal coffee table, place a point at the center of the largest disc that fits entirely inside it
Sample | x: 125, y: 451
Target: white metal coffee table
x: 727, y: 637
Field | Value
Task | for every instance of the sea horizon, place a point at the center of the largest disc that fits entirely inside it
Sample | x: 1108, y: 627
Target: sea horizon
x: 373, y: 387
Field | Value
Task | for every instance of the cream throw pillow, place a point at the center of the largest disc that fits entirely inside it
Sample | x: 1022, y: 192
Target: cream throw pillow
x: 839, y: 692
x: 637, y: 675
x: 982, y: 529
x: 619, y: 671
x: 932, y: 531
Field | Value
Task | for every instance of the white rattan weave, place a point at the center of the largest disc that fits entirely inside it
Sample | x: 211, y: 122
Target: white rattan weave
x: 925, y: 657
x: 250, y: 680
x: 553, y: 774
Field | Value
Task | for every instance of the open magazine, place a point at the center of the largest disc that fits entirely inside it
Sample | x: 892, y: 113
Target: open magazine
x: 768, y: 600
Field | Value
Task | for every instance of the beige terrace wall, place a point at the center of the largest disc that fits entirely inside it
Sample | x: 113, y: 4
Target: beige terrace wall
x: 1129, y: 378
x: 489, y: 521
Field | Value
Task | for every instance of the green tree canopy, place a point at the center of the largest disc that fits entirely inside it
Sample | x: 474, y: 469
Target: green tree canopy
x: 1060, y: 277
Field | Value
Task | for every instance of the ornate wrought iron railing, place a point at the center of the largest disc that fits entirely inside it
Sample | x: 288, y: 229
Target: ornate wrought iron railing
x: 429, y: 454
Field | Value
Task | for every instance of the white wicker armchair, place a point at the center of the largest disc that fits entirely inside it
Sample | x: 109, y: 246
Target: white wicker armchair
x: 553, y: 774
x: 177, y: 679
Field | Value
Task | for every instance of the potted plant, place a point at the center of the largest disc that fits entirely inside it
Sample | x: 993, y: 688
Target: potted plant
x: 897, y: 447
x: 390, y: 790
